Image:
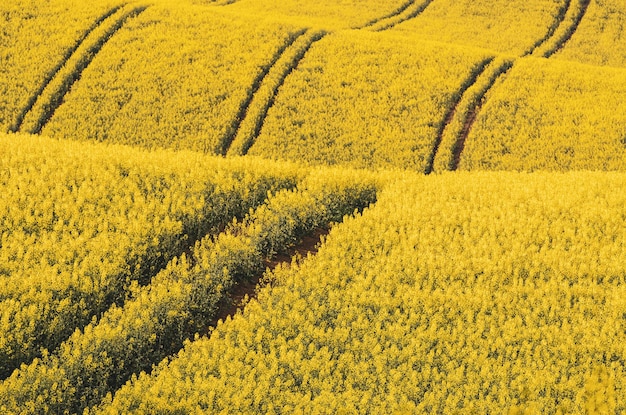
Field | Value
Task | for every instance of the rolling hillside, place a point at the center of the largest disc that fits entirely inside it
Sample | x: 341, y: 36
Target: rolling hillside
x: 262, y: 206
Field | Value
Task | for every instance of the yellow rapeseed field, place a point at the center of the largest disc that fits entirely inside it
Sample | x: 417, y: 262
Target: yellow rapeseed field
x: 159, y: 158
x: 551, y: 115
x: 504, y: 26
x: 34, y: 38
x: 391, y: 120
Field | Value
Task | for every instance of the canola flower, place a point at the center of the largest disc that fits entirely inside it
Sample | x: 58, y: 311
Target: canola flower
x: 511, y: 27
x: 35, y: 39
x: 174, y: 77
x: 180, y: 300
x: 599, y: 38
x: 321, y: 14
x: 397, y: 99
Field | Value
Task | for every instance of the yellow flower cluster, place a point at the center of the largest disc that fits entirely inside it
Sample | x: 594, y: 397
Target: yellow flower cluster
x: 79, y: 223
x: 551, y: 115
x: 180, y: 301
x: 35, y: 38
x: 455, y: 293
x: 176, y: 76
x: 365, y: 100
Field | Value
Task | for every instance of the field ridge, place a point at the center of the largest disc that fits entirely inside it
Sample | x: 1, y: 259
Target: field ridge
x: 262, y: 98
x: 51, y: 97
x: 17, y: 124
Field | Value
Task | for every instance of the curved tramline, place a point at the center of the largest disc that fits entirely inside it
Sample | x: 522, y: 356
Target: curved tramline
x: 563, y: 32
x: 599, y: 36
x: 256, y: 85
x: 262, y: 97
x: 407, y: 11
x: 480, y: 69
x: 459, y: 121
x: 50, y: 97
x: 358, y: 98
x: 550, y: 114
x: 36, y: 40
x: 15, y: 127
x: 223, y: 59
x: 510, y: 27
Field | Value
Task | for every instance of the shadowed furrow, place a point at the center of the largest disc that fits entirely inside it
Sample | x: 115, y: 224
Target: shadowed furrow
x: 560, y: 43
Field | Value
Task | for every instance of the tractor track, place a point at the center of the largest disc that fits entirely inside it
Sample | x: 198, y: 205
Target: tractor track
x: 555, y: 39
x: 17, y: 125
x: 249, y: 120
x: 407, y: 11
x: 41, y: 111
x: 453, y: 109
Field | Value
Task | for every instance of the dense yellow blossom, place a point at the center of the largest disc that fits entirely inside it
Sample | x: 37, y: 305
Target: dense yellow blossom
x: 180, y: 300
x: 172, y: 77
x: 35, y: 36
x: 467, y: 292
x: 322, y: 14
x: 599, y: 39
x: 512, y: 26
x: 498, y: 292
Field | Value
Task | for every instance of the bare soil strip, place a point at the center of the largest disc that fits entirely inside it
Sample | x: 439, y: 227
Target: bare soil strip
x: 54, y: 72
x: 249, y: 289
